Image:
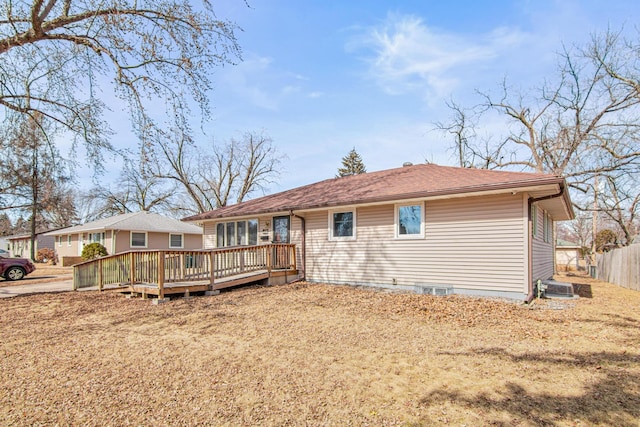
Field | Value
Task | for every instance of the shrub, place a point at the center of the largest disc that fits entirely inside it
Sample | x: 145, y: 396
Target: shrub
x: 46, y: 255
x: 93, y: 250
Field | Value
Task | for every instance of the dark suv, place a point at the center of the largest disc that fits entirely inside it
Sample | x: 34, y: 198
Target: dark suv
x: 15, y: 268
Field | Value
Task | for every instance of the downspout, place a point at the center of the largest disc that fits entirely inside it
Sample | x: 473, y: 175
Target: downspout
x: 531, y: 201
x: 304, y: 243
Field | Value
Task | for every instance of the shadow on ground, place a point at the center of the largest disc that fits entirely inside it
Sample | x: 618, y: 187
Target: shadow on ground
x: 611, y: 399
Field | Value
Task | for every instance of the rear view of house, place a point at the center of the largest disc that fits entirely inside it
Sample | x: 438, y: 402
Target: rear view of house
x: 427, y: 228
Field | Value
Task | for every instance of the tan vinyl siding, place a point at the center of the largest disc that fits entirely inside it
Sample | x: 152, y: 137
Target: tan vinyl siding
x: 296, y: 239
x: 65, y: 250
x: 209, y: 239
x: 473, y: 243
x: 542, y: 252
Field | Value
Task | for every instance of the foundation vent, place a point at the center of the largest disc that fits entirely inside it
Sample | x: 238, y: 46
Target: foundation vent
x: 434, y: 290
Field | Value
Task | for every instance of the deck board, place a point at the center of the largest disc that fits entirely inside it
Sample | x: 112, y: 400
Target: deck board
x: 175, y: 288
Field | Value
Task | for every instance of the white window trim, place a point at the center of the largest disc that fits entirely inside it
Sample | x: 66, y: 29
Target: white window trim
x: 342, y: 238
x: 181, y: 241
x: 69, y: 239
x: 225, y: 236
x: 396, y: 222
x: 59, y: 240
x: 146, y: 239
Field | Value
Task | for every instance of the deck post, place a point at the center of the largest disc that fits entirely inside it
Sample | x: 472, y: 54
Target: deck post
x: 212, y: 269
x: 161, y: 274
x: 270, y: 249
x: 294, y: 261
x: 132, y: 269
x: 100, y: 278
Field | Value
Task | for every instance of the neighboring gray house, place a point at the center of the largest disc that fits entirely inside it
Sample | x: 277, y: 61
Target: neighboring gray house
x: 424, y: 227
x: 131, y: 231
x: 20, y: 244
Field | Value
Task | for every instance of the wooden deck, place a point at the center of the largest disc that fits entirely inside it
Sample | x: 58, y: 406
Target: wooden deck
x: 187, y: 288
x: 161, y: 273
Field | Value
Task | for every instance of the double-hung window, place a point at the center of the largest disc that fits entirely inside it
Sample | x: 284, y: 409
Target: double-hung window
x: 342, y: 225
x: 96, y: 238
x: 176, y: 241
x: 138, y: 239
x: 534, y: 220
x: 547, y: 228
x: 409, y: 221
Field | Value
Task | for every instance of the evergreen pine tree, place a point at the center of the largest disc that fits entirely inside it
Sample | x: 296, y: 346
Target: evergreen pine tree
x: 352, y: 164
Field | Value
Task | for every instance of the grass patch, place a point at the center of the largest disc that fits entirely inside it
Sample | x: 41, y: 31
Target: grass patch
x: 308, y: 354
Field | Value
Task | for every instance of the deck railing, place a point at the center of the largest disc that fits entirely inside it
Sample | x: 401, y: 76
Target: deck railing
x: 171, y: 266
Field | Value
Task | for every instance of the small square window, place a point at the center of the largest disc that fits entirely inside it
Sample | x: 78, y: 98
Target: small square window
x: 409, y: 221
x: 175, y: 241
x: 342, y: 225
x: 138, y: 239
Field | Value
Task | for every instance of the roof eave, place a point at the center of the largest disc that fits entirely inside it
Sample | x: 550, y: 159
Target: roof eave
x: 551, y: 184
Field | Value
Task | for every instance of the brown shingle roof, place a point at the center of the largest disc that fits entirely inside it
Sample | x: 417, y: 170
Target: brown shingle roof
x: 388, y: 185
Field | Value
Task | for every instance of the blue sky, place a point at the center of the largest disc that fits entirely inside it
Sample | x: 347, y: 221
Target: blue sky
x: 322, y: 77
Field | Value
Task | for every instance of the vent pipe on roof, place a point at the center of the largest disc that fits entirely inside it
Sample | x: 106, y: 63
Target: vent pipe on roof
x: 405, y: 164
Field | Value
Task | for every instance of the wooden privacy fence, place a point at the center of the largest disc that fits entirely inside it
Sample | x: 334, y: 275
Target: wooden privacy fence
x: 621, y: 267
x: 173, y: 266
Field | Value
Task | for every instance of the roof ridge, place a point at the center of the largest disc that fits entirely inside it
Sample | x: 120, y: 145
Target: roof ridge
x: 406, y: 182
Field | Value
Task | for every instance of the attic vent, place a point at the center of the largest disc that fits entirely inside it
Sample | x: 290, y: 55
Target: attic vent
x: 405, y: 164
x: 433, y: 290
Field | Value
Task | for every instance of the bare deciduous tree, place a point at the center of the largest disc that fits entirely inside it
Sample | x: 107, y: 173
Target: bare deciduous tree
x: 32, y: 173
x: 135, y: 190
x: 583, y: 124
x: 620, y: 202
x: 462, y: 128
x: 148, y: 51
x: 214, y: 177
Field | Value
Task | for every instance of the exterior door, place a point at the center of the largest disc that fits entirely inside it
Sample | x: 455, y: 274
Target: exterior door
x: 281, y: 229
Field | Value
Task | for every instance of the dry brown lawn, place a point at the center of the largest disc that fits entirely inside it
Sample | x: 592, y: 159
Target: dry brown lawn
x: 310, y: 354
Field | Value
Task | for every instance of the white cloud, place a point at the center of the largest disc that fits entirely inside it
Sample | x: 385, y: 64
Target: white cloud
x: 410, y: 56
x: 259, y: 83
